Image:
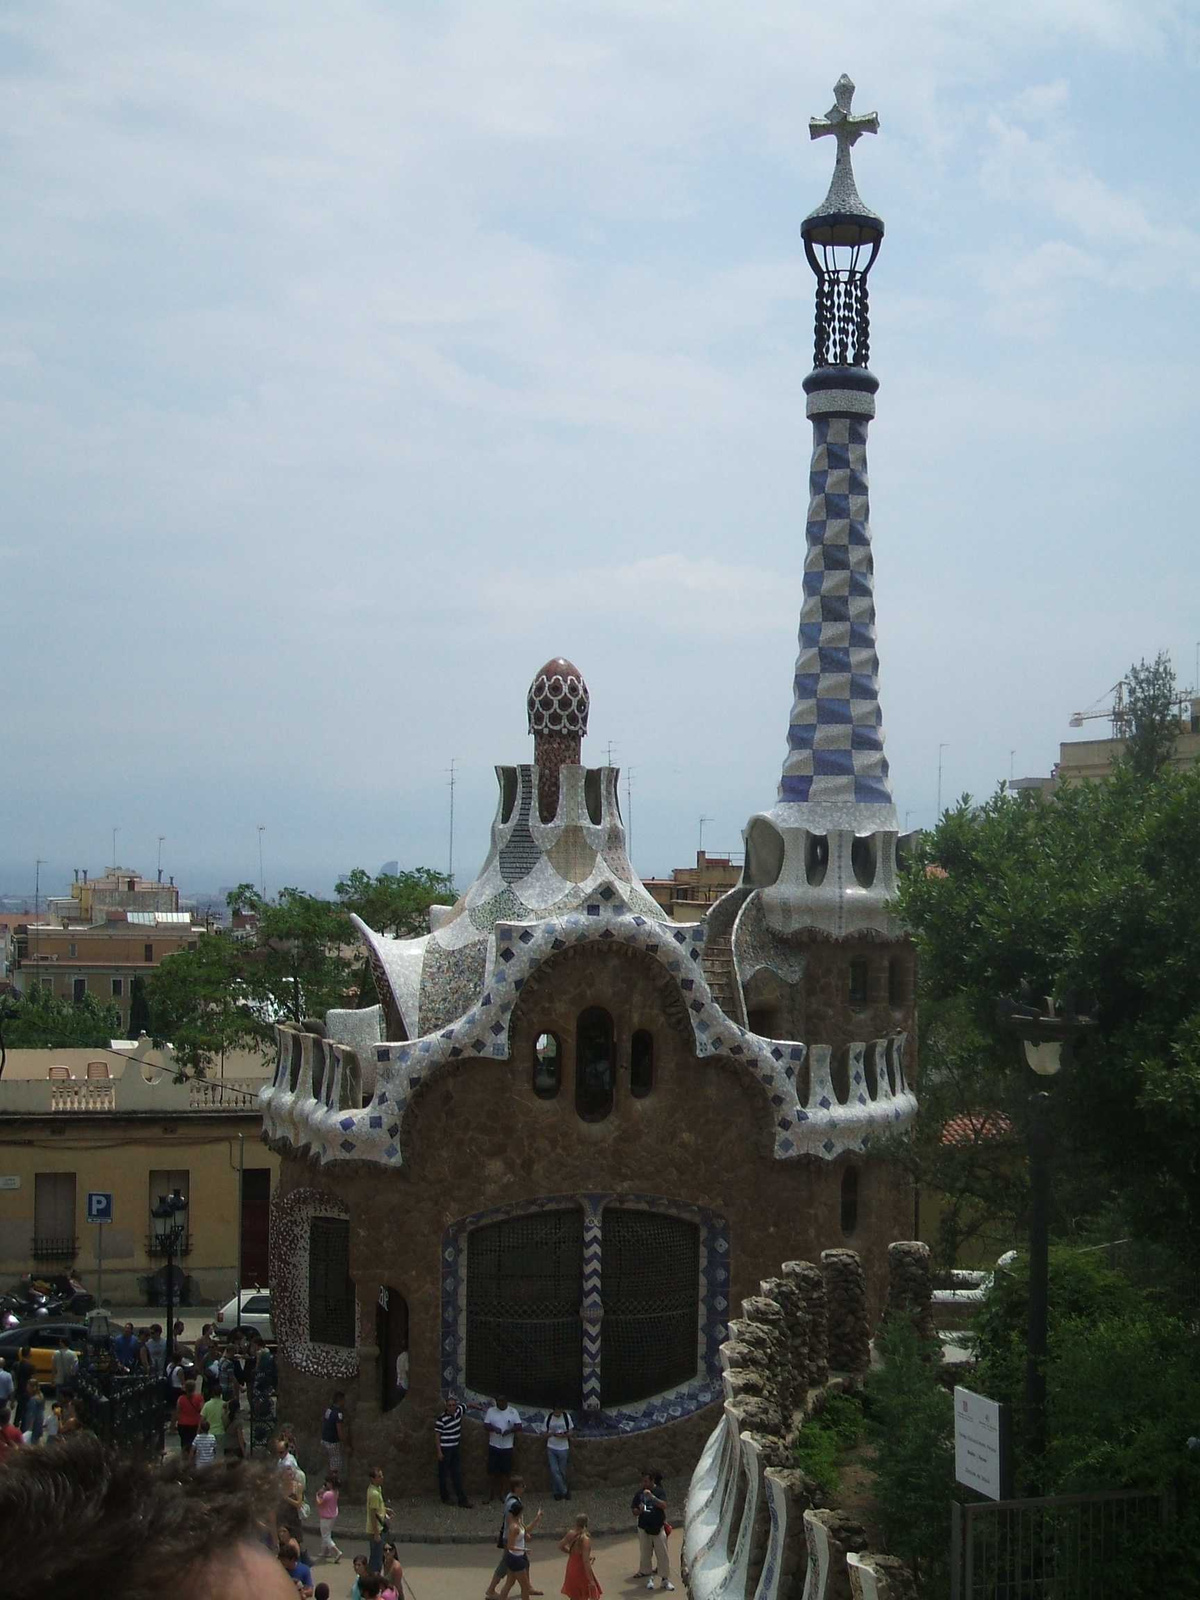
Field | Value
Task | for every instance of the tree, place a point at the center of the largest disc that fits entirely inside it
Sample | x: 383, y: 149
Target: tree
x: 1150, y: 707
x: 139, y: 1008
x: 302, y: 963
x: 395, y: 903
x: 198, y: 1003
x: 39, y: 1020
x: 1095, y: 891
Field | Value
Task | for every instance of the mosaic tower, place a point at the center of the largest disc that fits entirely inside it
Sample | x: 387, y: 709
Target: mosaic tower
x: 825, y: 855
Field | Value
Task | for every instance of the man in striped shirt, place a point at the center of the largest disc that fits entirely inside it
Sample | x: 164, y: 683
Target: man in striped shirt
x: 447, y: 1434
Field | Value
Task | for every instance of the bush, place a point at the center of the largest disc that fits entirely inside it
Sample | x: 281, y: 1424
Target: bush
x: 911, y: 1424
x: 826, y: 1436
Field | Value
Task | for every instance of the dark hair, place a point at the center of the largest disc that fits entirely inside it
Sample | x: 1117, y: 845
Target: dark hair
x: 141, y: 1531
x: 5, y: 1416
x: 369, y: 1585
x: 321, y: 1592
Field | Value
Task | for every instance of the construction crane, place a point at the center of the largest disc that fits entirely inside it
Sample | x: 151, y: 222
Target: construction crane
x: 1117, y: 713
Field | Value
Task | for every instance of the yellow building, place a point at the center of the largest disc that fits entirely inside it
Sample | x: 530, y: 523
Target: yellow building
x: 118, y: 889
x: 102, y: 960
x: 80, y: 1121
x: 687, y: 894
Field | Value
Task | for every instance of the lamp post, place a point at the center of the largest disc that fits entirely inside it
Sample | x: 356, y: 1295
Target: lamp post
x: 1047, y: 1040
x: 169, y: 1227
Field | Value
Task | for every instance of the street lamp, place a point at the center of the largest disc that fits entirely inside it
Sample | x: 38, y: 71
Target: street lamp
x: 1047, y: 1039
x: 169, y: 1228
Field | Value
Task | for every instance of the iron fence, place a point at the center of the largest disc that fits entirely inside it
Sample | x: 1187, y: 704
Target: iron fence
x: 123, y: 1411
x: 1061, y: 1547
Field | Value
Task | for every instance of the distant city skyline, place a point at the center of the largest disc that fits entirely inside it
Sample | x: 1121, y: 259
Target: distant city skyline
x: 354, y: 364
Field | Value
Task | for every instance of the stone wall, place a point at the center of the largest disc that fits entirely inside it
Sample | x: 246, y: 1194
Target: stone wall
x: 755, y: 1527
x: 476, y: 1137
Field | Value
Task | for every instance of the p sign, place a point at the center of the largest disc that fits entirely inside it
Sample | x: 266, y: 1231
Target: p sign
x: 99, y: 1206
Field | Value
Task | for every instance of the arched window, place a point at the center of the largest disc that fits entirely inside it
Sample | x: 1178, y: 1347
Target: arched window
x: 849, y: 1200
x: 594, y: 1064
x: 330, y: 1287
x: 858, y: 983
x: 641, y: 1064
x: 547, y: 1066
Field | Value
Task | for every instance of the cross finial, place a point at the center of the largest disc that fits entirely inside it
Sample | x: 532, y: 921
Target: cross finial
x: 846, y: 128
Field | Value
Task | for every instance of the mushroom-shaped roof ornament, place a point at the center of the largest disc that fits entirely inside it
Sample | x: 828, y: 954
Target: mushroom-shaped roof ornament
x: 558, y: 700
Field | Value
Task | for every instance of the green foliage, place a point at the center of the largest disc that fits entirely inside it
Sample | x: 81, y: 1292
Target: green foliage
x: 198, y: 1003
x: 395, y: 903
x: 1122, y: 1377
x: 826, y: 1436
x: 139, y: 1008
x: 1097, y: 892
x: 911, y: 1425
x: 1150, y: 702
x: 40, y: 1020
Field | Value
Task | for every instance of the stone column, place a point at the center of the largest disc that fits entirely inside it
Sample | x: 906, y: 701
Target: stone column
x: 849, y: 1325
x: 830, y: 1535
x: 809, y: 1282
x: 910, y: 1285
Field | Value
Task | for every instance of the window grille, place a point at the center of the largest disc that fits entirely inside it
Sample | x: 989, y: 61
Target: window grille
x: 651, y: 1286
x: 524, y: 1290
x: 330, y: 1289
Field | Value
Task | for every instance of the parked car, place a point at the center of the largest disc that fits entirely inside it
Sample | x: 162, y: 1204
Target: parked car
x: 42, y: 1339
x: 255, y: 1313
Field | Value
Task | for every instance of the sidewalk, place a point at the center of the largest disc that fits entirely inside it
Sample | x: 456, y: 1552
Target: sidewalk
x: 425, y: 1520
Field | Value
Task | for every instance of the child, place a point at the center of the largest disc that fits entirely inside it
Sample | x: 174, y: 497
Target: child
x: 362, y: 1569
x: 321, y: 1592
x: 327, y: 1510
x: 204, y: 1445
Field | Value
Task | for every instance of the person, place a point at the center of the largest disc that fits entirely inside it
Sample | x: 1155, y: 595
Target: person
x: 142, y: 1363
x: 378, y: 1516
x: 298, y: 1571
x: 204, y: 1446
x: 447, y: 1438
x: 64, y: 1363
x: 321, y: 1592
x: 503, y: 1423
x: 6, y: 1383
x: 189, y: 1408
x: 368, y: 1587
x: 35, y: 1412
x: 393, y: 1572
x: 216, y: 1413
x: 516, y: 1557
x: 284, y: 1459
x: 203, y: 1343
x: 649, y: 1505
x: 402, y: 1375
x: 516, y: 1493
x: 156, y: 1347
x: 68, y: 1416
x: 235, y: 1438
x: 361, y: 1571
x: 125, y: 1348
x: 137, y: 1529
x: 327, y: 1512
x: 558, y: 1449
x: 22, y: 1373
x: 11, y: 1438
x: 52, y: 1422
x: 579, y: 1580
x: 333, y: 1432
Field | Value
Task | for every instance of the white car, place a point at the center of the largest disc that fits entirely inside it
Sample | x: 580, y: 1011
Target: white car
x: 256, y: 1314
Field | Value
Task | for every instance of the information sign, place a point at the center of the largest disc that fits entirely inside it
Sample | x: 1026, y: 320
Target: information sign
x: 979, y: 1443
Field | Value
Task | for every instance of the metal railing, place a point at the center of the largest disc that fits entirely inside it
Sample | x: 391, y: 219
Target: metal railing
x: 156, y: 1247
x: 55, y: 1247
x: 1061, y: 1547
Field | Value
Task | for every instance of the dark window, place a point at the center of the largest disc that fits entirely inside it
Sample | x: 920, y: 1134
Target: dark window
x: 524, y: 1290
x: 330, y: 1290
x: 650, y: 1273
x: 641, y: 1064
x: 259, y: 1304
x: 896, y: 984
x: 72, y: 951
x: 118, y: 988
x: 594, y: 1064
x: 849, y: 1199
x: 78, y: 990
x: 147, y: 952
x: 547, y: 1066
x: 863, y: 860
x: 858, y: 982
x: 54, y: 1216
x: 816, y: 858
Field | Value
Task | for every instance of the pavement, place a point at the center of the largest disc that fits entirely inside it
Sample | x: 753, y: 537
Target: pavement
x: 462, y: 1572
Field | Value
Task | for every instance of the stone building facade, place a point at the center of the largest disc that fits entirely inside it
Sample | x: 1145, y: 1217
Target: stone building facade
x: 574, y: 1133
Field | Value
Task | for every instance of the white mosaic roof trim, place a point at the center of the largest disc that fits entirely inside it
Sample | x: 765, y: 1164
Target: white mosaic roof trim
x: 312, y: 1107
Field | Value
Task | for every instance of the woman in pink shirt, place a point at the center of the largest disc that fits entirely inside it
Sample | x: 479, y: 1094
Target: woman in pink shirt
x: 327, y: 1510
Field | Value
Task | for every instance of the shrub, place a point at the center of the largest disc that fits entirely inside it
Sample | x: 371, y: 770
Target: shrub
x: 826, y: 1436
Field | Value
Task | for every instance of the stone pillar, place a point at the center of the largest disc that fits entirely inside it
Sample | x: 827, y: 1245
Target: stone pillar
x: 762, y: 1312
x: 910, y: 1285
x: 810, y: 1286
x: 793, y: 1383
x: 875, y: 1577
x: 849, y: 1324
x: 830, y: 1535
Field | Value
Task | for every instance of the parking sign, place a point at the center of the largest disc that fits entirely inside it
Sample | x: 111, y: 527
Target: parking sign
x: 99, y: 1206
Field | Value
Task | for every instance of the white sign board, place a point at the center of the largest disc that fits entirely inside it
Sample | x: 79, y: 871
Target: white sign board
x: 10, y: 1180
x: 977, y: 1443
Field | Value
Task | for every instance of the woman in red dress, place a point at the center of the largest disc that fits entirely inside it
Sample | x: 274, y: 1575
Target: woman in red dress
x: 579, y: 1580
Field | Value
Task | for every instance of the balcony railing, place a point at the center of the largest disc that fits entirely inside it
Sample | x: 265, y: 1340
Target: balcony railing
x: 55, y: 1247
x: 155, y: 1246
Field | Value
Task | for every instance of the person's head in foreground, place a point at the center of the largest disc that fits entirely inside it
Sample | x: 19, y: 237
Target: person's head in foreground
x: 140, y: 1532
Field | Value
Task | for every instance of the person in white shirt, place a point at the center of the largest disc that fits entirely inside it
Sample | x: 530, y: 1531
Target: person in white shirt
x: 558, y: 1426
x: 65, y: 1364
x: 503, y: 1424
x: 6, y: 1385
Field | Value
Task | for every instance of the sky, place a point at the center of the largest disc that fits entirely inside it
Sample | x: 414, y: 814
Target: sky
x: 356, y: 359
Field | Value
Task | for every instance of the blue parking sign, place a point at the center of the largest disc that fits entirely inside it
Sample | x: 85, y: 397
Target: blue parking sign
x: 99, y: 1206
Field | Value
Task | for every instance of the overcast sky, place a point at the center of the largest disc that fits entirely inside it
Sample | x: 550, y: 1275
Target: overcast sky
x: 356, y: 358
